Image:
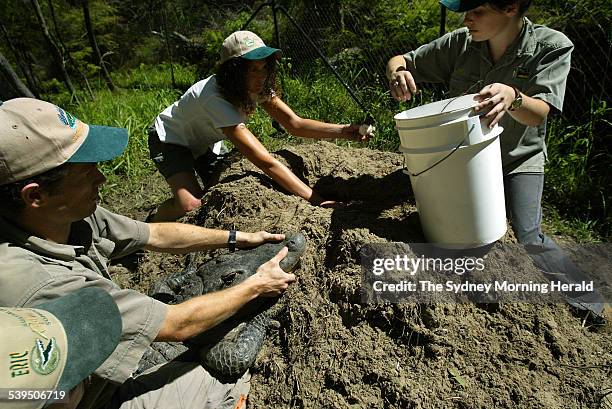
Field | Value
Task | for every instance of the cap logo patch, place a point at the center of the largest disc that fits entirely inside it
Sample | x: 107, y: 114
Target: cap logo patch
x: 66, y: 118
x: 249, y: 42
x: 45, y: 358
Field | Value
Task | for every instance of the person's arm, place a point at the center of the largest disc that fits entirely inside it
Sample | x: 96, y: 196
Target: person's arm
x: 254, y: 151
x: 432, y: 62
x: 543, y: 91
x: 190, y: 318
x: 401, y: 81
x: 499, y: 97
x: 309, y: 128
x: 180, y: 238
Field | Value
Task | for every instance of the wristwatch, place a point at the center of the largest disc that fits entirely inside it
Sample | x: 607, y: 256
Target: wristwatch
x: 518, y: 99
x: 231, y: 241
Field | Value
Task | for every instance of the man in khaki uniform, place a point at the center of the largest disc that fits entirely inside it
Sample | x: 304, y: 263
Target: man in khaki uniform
x: 55, y: 239
x: 519, y: 70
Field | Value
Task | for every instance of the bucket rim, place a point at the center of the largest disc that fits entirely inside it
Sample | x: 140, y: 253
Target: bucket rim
x: 450, y: 124
x: 459, y: 144
x: 444, y: 112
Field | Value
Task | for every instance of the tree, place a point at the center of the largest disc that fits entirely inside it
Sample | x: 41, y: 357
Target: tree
x: 25, y: 70
x: 53, y: 48
x: 13, y: 79
x: 94, y: 45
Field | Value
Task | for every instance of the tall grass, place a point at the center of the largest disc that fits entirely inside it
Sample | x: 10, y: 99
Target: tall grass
x: 578, y: 173
x: 577, y: 194
x: 144, y: 93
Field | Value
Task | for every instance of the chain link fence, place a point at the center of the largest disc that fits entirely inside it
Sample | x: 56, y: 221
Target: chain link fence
x: 349, y: 35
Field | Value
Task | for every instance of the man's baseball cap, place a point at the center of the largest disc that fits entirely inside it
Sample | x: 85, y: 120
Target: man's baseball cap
x: 462, y: 5
x: 55, y: 345
x: 37, y: 136
x: 247, y: 45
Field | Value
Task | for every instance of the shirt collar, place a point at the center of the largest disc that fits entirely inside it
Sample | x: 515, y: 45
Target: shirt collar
x: 67, y: 252
x: 525, y: 44
x: 528, y: 41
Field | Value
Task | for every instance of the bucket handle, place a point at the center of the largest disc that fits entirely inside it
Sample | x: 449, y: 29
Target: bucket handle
x: 406, y: 170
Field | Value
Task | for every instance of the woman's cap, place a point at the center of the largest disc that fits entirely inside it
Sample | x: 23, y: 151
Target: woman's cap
x: 247, y: 45
x: 37, y: 136
x: 462, y: 5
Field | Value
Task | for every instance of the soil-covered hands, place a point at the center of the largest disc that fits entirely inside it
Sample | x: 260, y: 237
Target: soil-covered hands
x: 496, y: 97
x: 270, y: 279
x: 316, y: 200
x: 353, y: 132
x: 402, y: 85
x: 245, y: 240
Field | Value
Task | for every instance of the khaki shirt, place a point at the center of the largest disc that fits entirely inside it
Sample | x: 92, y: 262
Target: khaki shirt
x: 33, y: 270
x: 537, y: 64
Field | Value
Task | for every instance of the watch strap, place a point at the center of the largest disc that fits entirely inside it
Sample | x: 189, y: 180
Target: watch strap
x: 518, y: 99
x: 231, y: 241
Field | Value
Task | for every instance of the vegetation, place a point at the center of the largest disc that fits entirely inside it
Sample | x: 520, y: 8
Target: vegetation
x: 155, y: 50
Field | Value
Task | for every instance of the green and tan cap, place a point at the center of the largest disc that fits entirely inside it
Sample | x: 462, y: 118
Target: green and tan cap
x: 462, y: 5
x: 37, y: 136
x: 55, y: 345
x: 247, y: 45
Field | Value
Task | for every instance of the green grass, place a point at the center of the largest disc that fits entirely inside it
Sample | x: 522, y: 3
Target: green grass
x: 144, y: 93
x: 577, y: 178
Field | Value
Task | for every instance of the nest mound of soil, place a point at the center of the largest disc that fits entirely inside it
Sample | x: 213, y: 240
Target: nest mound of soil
x: 334, y: 351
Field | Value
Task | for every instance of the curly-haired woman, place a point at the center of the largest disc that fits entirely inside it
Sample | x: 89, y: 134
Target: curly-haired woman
x: 188, y: 134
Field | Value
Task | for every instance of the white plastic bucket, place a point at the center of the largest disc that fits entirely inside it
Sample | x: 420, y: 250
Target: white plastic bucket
x: 437, y: 113
x: 456, y: 175
x: 469, y: 129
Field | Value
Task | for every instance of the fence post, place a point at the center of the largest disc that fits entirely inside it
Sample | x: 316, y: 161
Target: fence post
x: 442, y: 20
x: 276, y: 33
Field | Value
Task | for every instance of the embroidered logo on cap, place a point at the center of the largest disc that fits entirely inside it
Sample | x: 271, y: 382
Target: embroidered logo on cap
x: 72, y: 122
x: 45, y: 358
x: 66, y: 118
x: 249, y: 41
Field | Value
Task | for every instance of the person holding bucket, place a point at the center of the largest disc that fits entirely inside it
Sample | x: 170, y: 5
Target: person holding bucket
x: 519, y: 71
x: 187, y: 136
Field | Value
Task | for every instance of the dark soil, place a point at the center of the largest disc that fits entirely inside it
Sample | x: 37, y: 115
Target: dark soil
x: 334, y: 351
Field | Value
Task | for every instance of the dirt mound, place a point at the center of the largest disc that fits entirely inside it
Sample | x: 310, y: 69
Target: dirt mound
x: 333, y: 351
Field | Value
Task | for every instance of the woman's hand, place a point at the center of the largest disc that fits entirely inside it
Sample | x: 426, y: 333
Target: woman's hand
x: 402, y: 85
x: 496, y: 97
x: 316, y: 200
x: 358, y: 132
x: 244, y: 239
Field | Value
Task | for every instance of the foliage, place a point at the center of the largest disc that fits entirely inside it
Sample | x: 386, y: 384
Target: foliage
x: 578, y: 173
x: 133, y: 109
x: 358, y: 36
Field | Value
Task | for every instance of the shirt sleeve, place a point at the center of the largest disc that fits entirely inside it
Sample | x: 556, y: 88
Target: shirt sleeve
x: 128, y: 235
x: 434, y: 62
x: 550, y: 77
x: 142, y: 318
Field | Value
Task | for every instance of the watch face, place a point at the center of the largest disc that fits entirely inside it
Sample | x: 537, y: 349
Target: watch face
x: 517, y: 103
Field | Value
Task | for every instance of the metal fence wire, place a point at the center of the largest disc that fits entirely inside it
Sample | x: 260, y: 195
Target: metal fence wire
x: 348, y: 36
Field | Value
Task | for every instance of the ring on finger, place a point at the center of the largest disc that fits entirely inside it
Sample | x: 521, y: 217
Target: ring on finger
x: 396, y: 83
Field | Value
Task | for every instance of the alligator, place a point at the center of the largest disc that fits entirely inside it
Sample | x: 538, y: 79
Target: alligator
x: 230, y: 348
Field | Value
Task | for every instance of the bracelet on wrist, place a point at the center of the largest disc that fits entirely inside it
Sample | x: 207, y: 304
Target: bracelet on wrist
x: 231, y: 241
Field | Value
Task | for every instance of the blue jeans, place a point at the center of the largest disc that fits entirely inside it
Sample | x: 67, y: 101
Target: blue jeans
x: 524, y: 209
